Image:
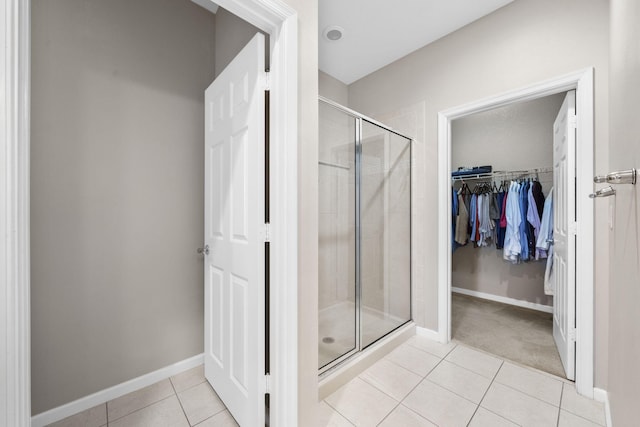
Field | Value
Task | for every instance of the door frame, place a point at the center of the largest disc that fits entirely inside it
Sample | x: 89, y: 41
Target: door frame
x: 281, y: 23
x: 582, y: 81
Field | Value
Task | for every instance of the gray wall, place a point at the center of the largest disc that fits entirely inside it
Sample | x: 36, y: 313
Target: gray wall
x: 515, y: 137
x: 523, y: 43
x: 333, y: 89
x: 624, y: 371
x: 231, y: 35
x: 117, y: 184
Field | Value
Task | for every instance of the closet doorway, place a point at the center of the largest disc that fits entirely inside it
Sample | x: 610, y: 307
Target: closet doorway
x: 501, y: 302
x: 481, y: 279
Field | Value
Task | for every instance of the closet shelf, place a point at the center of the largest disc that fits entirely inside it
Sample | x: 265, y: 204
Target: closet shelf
x: 503, y: 174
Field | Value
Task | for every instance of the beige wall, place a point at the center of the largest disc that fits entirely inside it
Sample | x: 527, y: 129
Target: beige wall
x: 525, y: 42
x: 333, y: 89
x: 117, y: 184
x: 511, y: 138
x: 624, y: 370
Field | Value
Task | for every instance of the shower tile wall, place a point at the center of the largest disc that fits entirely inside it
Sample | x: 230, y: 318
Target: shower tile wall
x: 410, y: 121
x: 385, y: 213
x: 372, y: 209
x: 337, y: 206
x: 398, y: 227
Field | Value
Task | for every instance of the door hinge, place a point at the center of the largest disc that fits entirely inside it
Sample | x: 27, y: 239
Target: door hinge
x: 267, y: 384
x: 573, y: 228
x: 267, y: 80
x: 267, y: 232
x: 572, y: 334
x: 573, y: 120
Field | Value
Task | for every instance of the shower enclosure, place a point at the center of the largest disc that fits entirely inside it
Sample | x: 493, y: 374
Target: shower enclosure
x: 364, y: 236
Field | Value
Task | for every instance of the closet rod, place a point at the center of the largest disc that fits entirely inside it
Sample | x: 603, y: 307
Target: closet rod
x: 502, y: 174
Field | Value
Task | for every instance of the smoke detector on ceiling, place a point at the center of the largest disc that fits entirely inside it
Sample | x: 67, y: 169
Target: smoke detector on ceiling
x: 333, y: 33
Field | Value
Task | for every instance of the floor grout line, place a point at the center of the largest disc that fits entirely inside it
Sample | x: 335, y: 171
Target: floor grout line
x: 486, y: 391
x: 423, y: 380
x: 336, y: 409
x: 532, y: 396
x: 412, y: 389
x: 179, y: 401
x: 560, y: 405
x: 139, y: 409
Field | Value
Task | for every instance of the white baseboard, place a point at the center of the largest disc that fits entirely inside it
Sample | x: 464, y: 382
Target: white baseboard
x: 428, y: 333
x: 601, y: 395
x: 84, y: 403
x: 504, y: 300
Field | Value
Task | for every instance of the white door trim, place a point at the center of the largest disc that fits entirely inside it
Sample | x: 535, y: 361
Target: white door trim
x: 582, y: 81
x: 272, y: 16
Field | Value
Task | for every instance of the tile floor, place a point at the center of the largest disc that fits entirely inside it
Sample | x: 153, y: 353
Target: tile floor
x: 421, y: 383
x: 424, y: 383
x: 186, y: 400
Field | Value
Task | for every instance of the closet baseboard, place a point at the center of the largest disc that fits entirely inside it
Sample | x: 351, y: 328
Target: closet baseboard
x: 84, y: 403
x: 504, y: 300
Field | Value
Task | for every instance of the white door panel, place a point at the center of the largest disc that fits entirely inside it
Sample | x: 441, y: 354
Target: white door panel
x: 564, y: 239
x: 234, y: 233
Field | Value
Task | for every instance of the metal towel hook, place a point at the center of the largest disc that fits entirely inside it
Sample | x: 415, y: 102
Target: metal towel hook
x: 604, y: 192
x: 618, y: 177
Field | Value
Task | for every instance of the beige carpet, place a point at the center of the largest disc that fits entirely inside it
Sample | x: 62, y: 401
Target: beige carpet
x: 518, y: 334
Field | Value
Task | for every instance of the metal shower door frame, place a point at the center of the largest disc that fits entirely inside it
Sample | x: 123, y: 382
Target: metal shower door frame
x: 359, y: 119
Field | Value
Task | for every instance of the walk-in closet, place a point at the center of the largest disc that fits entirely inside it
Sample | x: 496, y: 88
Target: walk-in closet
x: 504, y: 166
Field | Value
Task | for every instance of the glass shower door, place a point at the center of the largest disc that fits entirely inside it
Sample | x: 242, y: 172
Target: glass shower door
x: 385, y: 231
x: 338, y: 315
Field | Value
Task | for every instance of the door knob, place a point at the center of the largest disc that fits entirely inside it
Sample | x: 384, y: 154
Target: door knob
x: 204, y: 250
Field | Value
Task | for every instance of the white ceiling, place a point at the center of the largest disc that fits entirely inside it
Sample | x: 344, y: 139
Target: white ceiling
x: 378, y: 32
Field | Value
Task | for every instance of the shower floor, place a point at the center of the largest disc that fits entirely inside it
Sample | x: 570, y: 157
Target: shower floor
x: 337, y: 334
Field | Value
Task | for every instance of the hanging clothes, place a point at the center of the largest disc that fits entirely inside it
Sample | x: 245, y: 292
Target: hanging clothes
x: 534, y: 220
x: 512, y: 247
x: 501, y: 229
x: 536, y: 189
x: 524, y: 226
x: 484, y: 220
x: 494, y: 215
x: 545, y: 235
x: 454, y: 215
x: 461, y: 222
x: 473, y: 216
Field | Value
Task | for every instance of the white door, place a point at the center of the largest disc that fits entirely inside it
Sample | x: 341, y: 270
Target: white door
x: 564, y: 237
x: 234, y: 275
